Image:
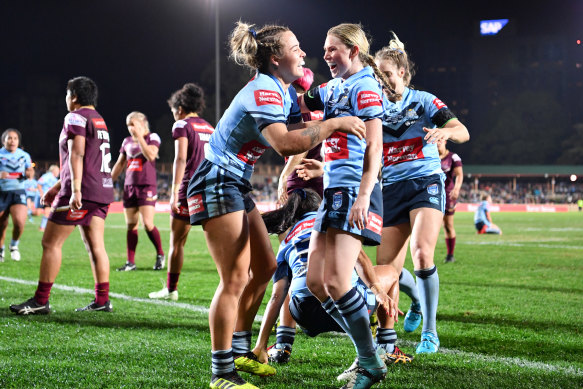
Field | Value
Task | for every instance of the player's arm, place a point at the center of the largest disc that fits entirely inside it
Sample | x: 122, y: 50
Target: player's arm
x: 150, y: 152
x: 371, y: 167
x: 285, y: 173
x: 76, y: 155
x: 118, y: 167
x: 458, y: 176
x: 178, y: 168
x: 452, y: 130
x: 278, y: 293
x: 288, y: 143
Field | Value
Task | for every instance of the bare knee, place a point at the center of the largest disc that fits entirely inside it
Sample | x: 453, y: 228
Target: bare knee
x: 423, y: 257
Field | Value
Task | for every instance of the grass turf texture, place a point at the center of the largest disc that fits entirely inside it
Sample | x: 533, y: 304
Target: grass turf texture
x: 510, y: 316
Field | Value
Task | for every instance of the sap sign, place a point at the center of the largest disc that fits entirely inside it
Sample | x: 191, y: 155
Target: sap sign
x: 492, y: 27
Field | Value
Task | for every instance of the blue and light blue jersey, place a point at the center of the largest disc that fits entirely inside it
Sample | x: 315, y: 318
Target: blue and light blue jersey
x: 481, y: 213
x: 31, y: 187
x: 406, y: 154
x: 237, y: 142
x: 47, y: 181
x: 293, y: 251
x: 15, y: 164
x: 359, y: 95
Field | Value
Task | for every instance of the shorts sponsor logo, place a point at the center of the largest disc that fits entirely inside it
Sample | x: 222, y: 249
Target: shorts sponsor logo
x: 183, y: 211
x: 439, y: 104
x: 195, y: 204
x: 368, y: 99
x: 402, y: 151
x: 265, y: 97
x: 374, y: 223
x: 336, y: 200
x: 134, y: 165
x: 251, y: 151
x: 334, y: 215
x: 107, y: 182
x: 434, y: 200
x: 76, y: 214
x: 336, y: 147
x: 433, y: 189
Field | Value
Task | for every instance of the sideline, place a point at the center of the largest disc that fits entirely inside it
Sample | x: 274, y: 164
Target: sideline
x: 518, y: 362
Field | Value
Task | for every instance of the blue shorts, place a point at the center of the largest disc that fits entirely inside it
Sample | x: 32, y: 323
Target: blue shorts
x: 214, y: 191
x: 314, y: 320
x: 402, y: 197
x: 335, y: 210
x: 12, y: 197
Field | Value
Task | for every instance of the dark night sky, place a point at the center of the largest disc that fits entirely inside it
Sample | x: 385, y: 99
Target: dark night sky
x: 139, y: 51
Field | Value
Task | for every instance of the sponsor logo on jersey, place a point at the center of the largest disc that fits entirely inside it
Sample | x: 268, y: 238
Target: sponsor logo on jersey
x: 135, y: 165
x: 317, y: 115
x: 336, y: 147
x: 76, y: 214
x: 439, y: 104
x: 99, y: 123
x: 368, y: 99
x: 251, y: 151
x: 402, y: 151
x: 74, y: 119
x: 336, y: 200
x: 433, y: 189
x: 323, y: 85
x: 202, y: 127
x: 300, y: 228
x: 195, y: 204
x: 264, y: 97
x: 374, y: 223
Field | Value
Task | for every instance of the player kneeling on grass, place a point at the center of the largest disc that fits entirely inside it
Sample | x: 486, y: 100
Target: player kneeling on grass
x: 377, y: 285
x: 81, y: 197
x: 482, y: 218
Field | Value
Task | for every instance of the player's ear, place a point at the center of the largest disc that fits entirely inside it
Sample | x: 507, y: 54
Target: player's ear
x: 354, y: 51
x: 274, y: 61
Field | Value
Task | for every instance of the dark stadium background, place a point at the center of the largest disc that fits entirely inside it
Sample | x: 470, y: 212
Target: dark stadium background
x: 520, y: 92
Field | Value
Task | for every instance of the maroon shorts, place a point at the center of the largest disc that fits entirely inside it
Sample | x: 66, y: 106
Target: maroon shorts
x: 449, y: 205
x: 62, y: 214
x: 183, y: 214
x: 137, y: 195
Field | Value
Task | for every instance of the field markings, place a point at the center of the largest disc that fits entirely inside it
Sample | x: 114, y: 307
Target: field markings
x: 570, y: 370
x: 517, y: 244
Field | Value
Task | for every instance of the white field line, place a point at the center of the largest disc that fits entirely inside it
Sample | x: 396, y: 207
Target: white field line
x: 516, y: 244
x: 573, y: 371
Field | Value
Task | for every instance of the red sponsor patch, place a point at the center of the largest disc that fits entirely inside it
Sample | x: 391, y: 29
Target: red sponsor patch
x: 202, y: 127
x: 99, y: 123
x: 336, y: 147
x: 439, y: 104
x: 402, y: 151
x: 322, y: 85
x: 14, y: 176
x: 251, y: 151
x: 374, y: 223
x: 134, y: 165
x: 183, y: 211
x: 299, y: 229
x: 368, y: 99
x: 317, y: 115
x: 76, y: 214
x: 195, y: 204
x: 264, y: 97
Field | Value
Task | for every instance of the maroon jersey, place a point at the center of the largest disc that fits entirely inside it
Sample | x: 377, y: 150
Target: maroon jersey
x: 198, y: 132
x: 97, y: 185
x: 139, y: 170
x: 448, y: 163
x: 317, y: 184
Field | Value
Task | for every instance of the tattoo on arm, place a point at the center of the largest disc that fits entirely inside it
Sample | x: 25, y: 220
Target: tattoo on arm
x: 314, y: 134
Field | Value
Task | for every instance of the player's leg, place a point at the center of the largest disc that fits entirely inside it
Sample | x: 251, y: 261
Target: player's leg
x: 449, y: 231
x: 147, y: 213
x: 131, y: 215
x: 263, y: 265
x: 179, y: 228
x: 18, y: 214
x: 426, y: 223
x: 52, y: 242
x: 93, y: 237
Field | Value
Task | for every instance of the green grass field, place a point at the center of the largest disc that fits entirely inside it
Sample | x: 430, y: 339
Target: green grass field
x: 510, y: 316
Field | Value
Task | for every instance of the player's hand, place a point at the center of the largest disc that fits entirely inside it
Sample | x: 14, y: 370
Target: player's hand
x: 75, y: 201
x: 310, y: 168
x: 359, y: 212
x: 261, y: 354
x: 48, y: 197
x: 389, y: 305
x: 454, y: 194
x: 174, y: 203
x: 351, y: 125
x: 4, y: 175
x: 138, y: 129
x: 282, y: 190
x: 436, y: 135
